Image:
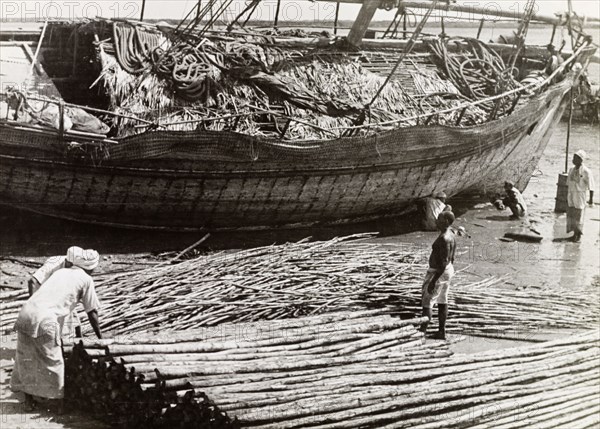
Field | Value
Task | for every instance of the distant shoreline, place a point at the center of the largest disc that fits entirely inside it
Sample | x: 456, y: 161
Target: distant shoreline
x: 448, y: 23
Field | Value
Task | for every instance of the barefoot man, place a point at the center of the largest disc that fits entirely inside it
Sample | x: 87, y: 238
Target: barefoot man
x: 579, y: 183
x: 439, y: 274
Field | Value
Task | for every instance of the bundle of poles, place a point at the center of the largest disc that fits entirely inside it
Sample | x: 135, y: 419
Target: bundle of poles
x: 11, y: 302
x: 309, y: 278
x: 344, y: 370
x: 99, y: 386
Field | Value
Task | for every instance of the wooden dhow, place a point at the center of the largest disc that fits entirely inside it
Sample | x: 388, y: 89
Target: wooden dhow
x: 203, y: 178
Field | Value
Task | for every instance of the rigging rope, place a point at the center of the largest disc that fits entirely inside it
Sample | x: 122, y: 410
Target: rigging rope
x: 522, y: 32
x: 395, y: 23
x: 407, y: 50
x: 251, y: 7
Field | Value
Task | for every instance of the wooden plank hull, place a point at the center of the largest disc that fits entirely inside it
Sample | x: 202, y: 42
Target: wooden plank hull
x: 210, y: 180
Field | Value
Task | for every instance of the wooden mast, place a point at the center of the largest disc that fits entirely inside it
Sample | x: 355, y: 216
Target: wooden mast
x: 365, y: 15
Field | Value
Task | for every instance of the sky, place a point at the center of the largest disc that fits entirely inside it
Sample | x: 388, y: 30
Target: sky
x: 291, y: 10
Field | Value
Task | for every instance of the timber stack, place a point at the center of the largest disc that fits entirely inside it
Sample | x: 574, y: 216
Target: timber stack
x: 343, y: 370
x: 309, y: 278
x: 107, y: 390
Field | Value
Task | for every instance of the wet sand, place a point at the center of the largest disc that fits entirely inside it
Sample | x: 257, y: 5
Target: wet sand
x: 554, y: 262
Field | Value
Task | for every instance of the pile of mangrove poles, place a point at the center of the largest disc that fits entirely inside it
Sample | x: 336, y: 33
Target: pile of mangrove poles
x: 308, y: 278
x: 11, y: 302
x: 357, y: 369
x: 148, y: 379
x: 99, y: 386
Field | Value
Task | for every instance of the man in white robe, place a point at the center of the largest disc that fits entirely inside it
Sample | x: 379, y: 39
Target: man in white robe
x: 39, y: 363
x: 72, y: 324
x: 579, y: 182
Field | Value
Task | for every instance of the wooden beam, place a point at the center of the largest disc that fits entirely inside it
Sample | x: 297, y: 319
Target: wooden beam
x: 531, y: 51
x: 365, y: 15
x: 276, y: 20
x: 489, y: 11
x: 337, y: 16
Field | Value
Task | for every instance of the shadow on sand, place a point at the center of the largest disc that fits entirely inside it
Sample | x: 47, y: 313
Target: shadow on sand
x: 29, y: 234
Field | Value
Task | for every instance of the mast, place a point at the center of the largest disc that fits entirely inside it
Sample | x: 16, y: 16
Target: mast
x: 337, y: 16
x: 143, y: 9
x: 365, y: 15
x: 276, y: 20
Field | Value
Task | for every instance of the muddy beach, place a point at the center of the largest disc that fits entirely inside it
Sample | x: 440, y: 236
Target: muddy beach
x: 555, y: 262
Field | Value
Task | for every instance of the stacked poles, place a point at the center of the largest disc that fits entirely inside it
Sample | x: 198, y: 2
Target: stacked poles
x: 145, y: 380
x: 306, y: 278
x: 359, y: 369
x: 309, y: 278
x: 10, y: 303
x: 106, y: 389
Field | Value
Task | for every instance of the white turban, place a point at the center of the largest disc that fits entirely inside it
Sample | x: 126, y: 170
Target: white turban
x: 86, y: 259
x: 72, y: 251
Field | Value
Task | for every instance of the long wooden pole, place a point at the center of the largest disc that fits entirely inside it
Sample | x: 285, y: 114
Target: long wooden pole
x: 276, y: 20
x: 569, y: 130
x: 337, y: 16
x: 480, y: 28
x: 143, y: 9
x: 485, y: 11
x: 37, y: 51
x: 365, y: 15
x: 570, y: 24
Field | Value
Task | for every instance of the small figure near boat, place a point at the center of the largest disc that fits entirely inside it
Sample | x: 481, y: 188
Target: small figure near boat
x: 514, y: 201
x: 39, y: 364
x: 587, y: 98
x: 579, y: 182
x: 43, y: 273
x: 555, y: 60
x: 431, y: 207
x: 439, y: 275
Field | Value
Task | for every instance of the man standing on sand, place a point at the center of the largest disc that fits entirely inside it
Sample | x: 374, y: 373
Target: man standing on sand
x: 39, y: 364
x: 439, y: 274
x: 579, y: 182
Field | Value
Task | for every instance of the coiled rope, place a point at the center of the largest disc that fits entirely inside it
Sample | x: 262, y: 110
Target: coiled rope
x: 477, y: 71
x: 134, y: 48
